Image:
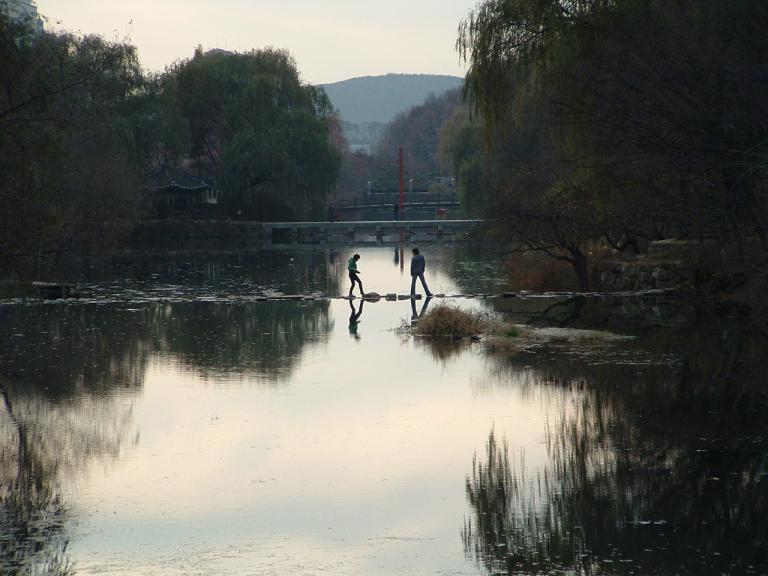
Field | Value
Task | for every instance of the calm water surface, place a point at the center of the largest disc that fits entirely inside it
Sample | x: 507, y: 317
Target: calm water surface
x: 171, y: 422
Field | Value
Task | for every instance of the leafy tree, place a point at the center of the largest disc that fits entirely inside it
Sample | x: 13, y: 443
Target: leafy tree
x: 254, y: 125
x: 654, y: 110
x: 68, y: 150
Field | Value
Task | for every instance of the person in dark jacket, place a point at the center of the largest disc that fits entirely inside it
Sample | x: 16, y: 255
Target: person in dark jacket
x: 418, y: 264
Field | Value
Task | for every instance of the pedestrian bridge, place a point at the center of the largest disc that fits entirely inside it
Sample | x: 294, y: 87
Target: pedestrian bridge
x: 308, y: 231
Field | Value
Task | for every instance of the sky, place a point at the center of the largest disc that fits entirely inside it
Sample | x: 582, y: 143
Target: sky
x: 331, y: 40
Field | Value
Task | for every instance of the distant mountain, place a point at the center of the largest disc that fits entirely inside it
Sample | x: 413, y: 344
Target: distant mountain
x: 381, y: 98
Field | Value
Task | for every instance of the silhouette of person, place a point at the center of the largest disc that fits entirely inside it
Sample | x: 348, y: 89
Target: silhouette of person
x: 414, y: 316
x: 354, y: 319
x: 418, y: 265
x: 354, y: 274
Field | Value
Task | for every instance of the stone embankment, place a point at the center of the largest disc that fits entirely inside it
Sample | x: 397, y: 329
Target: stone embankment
x: 668, y: 264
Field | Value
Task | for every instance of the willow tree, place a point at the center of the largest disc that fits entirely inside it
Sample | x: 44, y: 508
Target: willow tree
x: 654, y: 110
x: 259, y: 129
x: 69, y: 156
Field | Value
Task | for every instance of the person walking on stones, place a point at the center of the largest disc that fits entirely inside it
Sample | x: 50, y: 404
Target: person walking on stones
x: 353, y: 274
x: 418, y: 264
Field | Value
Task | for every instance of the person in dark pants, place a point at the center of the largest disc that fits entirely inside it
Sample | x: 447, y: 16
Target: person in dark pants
x: 353, y: 274
x: 418, y: 265
x: 395, y: 211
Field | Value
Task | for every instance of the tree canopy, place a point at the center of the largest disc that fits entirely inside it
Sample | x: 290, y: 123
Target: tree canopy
x: 647, y: 115
x: 258, y: 129
x: 66, y: 135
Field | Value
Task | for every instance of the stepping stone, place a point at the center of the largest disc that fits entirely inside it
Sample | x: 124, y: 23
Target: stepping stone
x: 509, y: 295
x: 438, y: 295
x: 371, y: 297
x: 391, y: 296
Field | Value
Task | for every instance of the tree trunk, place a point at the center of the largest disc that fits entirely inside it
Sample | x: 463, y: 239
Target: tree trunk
x: 579, y: 262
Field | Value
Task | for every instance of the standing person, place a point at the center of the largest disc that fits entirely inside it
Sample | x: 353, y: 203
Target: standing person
x: 353, y: 274
x: 418, y: 264
x: 395, y: 211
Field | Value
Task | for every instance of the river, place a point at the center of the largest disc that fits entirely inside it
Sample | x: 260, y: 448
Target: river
x: 175, y: 420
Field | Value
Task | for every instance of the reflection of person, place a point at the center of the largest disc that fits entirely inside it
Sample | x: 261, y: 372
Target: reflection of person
x: 418, y: 265
x: 424, y: 307
x: 332, y: 215
x: 395, y: 211
x: 354, y: 319
x: 397, y: 256
x: 353, y: 274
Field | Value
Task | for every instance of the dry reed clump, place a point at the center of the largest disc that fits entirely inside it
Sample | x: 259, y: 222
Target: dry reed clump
x: 449, y: 321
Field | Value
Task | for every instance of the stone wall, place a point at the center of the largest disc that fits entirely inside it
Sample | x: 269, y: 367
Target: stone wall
x: 667, y: 264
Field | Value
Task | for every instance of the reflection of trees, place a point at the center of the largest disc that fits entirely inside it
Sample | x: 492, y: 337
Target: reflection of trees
x: 68, y: 350
x: 289, y: 272
x: 43, y: 440
x: 68, y: 375
x: 657, y: 474
x: 60, y: 369
x: 266, y: 337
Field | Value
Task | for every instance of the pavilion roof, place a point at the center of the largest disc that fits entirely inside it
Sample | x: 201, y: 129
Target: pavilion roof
x: 171, y: 179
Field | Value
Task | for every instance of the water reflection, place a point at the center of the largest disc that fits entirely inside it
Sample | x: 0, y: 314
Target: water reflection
x: 44, y: 439
x: 188, y: 276
x: 263, y: 339
x: 354, y: 318
x: 69, y: 380
x: 659, y: 470
x: 424, y: 307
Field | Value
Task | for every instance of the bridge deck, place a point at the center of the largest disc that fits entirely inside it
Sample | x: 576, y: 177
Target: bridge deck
x: 388, y: 205
x: 377, y: 227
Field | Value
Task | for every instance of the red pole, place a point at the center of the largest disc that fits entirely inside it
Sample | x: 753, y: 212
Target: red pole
x: 402, y: 186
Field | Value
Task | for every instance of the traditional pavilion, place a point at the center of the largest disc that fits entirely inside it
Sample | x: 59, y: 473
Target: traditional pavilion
x: 175, y: 193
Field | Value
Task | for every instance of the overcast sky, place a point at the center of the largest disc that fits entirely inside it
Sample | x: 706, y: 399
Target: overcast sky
x: 331, y: 40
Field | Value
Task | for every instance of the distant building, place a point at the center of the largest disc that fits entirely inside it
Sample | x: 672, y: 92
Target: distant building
x: 23, y: 11
x: 175, y: 193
